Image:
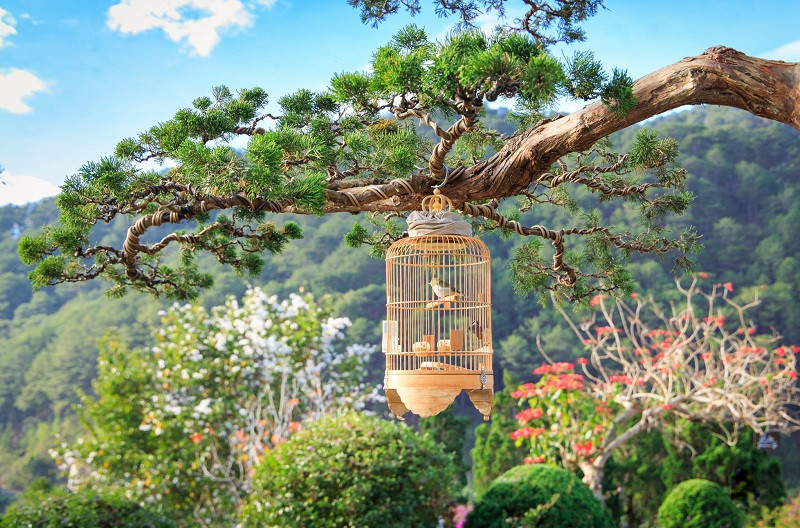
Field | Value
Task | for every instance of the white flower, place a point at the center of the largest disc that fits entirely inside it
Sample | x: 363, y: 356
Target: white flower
x: 204, y: 407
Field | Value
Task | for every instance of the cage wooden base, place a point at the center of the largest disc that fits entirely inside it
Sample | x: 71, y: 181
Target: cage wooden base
x: 427, y: 392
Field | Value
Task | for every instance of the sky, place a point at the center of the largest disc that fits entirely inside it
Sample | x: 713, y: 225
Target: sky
x: 76, y: 76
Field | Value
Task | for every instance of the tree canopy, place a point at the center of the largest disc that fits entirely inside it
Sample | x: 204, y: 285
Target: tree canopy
x: 354, y: 147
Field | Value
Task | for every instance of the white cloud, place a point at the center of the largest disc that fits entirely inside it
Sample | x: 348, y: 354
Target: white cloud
x: 7, y: 23
x: 20, y: 189
x: 789, y: 52
x: 196, y: 24
x: 15, y: 85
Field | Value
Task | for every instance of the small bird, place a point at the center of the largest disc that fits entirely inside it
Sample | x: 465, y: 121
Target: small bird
x: 442, y: 288
x: 477, y: 329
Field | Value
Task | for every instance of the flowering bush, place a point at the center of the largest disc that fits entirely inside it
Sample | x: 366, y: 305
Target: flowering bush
x: 563, y: 422
x: 647, y: 369
x: 185, y: 423
x: 352, y: 470
x: 789, y: 516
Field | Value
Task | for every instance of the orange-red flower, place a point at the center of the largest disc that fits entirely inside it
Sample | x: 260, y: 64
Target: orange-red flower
x: 196, y: 438
x: 527, y: 415
x: 527, y: 432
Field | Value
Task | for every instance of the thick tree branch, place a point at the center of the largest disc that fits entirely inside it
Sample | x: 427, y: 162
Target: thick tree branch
x: 720, y: 76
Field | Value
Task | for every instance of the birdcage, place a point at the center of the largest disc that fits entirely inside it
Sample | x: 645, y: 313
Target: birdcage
x: 437, y: 335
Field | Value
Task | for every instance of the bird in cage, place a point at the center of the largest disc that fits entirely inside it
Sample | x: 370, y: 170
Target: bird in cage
x: 443, y: 289
x: 477, y: 329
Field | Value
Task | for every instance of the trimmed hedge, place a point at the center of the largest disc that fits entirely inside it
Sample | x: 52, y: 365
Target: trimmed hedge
x: 84, y: 509
x: 699, y: 503
x: 538, y: 495
x: 352, y: 471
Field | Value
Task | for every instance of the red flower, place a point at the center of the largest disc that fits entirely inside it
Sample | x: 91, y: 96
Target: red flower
x: 667, y: 406
x: 703, y: 275
x: 780, y: 351
x: 584, y: 448
x: 780, y: 361
x: 294, y: 427
x: 527, y: 432
x: 792, y: 374
x: 796, y: 349
x: 705, y: 355
x: 525, y: 391
x: 538, y: 459
x: 196, y: 438
x: 597, y: 299
x: 527, y: 415
x: 600, y: 409
x: 528, y: 460
x: 583, y: 361
x: 602, y: 330
x: 634, y: 295
x: 589, y: 341
x: 728, y: 286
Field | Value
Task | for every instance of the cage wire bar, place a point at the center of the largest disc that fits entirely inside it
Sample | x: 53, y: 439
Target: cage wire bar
x: 437, y: 336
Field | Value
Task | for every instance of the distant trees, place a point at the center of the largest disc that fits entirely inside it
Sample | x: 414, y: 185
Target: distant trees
x: 650, y: 368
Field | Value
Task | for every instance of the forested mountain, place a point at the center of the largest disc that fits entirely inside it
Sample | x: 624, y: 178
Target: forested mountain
x: 744, y: 170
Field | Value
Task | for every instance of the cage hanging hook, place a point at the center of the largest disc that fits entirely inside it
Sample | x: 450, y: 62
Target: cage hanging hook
x: 446, y: 177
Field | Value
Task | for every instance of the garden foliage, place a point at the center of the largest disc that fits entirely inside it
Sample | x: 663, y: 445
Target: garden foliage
x: 539, y: 496
x: 352, y: 471
x: 698, y: 503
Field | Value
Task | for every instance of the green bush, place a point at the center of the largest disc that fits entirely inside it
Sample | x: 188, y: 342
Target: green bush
x: 352, y: 471
x: 538, y: 496
x: 85, y: 509
x: 699, y: 503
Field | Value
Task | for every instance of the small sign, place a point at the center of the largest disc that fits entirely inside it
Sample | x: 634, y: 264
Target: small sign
x: 768, y: 440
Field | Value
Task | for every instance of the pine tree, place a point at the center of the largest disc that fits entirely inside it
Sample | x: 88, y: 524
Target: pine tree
x: 354, y: 148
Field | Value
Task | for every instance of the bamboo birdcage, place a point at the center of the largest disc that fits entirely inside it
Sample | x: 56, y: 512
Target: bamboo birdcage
x: 437, y: 336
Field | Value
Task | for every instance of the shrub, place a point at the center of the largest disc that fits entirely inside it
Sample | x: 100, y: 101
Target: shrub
x: 789, y: 514
x: 699, y: 503
x: 84, y: 509
x: 352, y: 471
x: 541, y: 496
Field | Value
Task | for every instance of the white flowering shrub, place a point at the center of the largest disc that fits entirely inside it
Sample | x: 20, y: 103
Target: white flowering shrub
x: 183, y: 424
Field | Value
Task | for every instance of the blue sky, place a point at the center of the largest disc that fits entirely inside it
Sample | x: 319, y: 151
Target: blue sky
x: 76, y: 76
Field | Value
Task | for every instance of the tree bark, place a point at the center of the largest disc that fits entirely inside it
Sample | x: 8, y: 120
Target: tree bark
x: 720, y: 76
x: 593, y: 477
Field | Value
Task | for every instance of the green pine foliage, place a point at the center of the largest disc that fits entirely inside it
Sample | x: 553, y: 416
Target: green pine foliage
x: 699, y: 503
x: 318, y: 140
x: 352, y: 470
x: 538, y: 495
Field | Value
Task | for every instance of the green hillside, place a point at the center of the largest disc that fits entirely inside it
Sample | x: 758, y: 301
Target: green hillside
x: 743, y: 169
